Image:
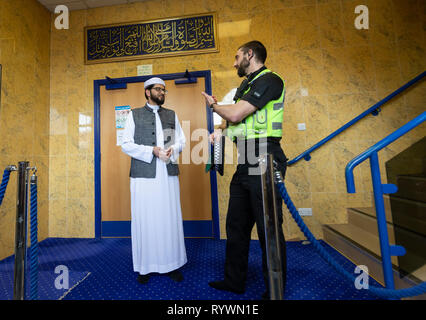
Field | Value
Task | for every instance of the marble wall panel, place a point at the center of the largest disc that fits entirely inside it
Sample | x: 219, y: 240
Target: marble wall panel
x: 24, y: 109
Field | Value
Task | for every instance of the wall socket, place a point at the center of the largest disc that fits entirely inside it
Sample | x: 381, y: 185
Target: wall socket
x: 305, y: 211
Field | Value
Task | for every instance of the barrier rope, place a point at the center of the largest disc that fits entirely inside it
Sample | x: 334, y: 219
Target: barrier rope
x: 4, y: 183
x: 34, y: 243
x: 381, y: 292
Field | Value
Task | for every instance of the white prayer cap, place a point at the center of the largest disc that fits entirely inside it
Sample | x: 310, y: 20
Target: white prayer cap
x: 153, y: 81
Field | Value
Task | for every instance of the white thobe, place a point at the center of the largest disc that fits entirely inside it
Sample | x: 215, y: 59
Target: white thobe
x: 156, y: 227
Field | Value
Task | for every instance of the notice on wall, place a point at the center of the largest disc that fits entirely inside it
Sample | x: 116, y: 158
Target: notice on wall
x: 144, y: 70
x: 121, y: 113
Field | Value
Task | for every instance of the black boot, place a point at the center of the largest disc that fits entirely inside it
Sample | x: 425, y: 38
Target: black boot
x: 143, y: 278
x: 175, y: 275
x: 222, y: 285
x: 265, y: 296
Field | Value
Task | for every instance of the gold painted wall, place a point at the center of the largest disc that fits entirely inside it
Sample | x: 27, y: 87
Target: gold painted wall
x: 333, y: 73
x: 24, y: 110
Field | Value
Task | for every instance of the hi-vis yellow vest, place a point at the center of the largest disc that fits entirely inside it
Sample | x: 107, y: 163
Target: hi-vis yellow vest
x: 265, y: 122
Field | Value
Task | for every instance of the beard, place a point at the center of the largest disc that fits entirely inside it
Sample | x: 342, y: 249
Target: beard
x: 159, y: 100
x: 242, y: 68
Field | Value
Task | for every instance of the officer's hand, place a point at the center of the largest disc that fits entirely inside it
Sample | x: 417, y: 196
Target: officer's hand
x: 209, y: 99
x: 215, y: 136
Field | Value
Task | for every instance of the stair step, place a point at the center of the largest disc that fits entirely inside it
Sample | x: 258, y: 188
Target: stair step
x: 415, y: 244
x: 360, y: 256
x: 405, y: 213
x: 368, y: 223
x: 371, y: 211
x: 411, y: 187
x: 361, y: 237
x: 409, y: 214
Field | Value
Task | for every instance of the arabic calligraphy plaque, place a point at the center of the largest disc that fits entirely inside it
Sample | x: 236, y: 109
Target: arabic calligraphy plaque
x: 158, y: 38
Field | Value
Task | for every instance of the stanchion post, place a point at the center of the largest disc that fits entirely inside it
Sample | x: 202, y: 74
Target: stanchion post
x: 21, y: 232
x: 273, y: 253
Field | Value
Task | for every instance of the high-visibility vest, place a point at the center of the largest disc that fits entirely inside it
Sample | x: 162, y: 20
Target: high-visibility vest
x: 265, y: 122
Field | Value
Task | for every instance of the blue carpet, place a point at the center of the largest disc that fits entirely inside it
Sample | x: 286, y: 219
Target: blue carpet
x: 109, y: 262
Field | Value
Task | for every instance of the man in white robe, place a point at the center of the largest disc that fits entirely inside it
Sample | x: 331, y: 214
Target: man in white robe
x: 156, y: 227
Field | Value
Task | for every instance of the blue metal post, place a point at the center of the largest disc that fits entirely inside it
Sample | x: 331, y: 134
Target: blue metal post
x: 381, y: 221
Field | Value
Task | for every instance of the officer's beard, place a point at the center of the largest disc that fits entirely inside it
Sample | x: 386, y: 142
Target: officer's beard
x: 242, y: 68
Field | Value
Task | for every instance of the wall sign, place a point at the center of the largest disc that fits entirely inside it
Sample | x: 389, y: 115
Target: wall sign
x: 157, y: 38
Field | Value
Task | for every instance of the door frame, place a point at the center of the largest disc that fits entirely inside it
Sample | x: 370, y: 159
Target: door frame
x: 195, y: 228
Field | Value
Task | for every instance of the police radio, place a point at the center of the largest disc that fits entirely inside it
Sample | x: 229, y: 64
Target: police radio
x: 216, y: 160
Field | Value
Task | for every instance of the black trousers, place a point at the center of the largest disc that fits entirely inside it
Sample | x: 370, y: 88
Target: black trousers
x: 246, y: 209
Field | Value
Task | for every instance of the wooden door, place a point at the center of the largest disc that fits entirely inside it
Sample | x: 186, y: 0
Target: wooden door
x: 195, y: 190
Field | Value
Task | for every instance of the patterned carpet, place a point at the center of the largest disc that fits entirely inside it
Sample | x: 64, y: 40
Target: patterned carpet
x: 102, y: 270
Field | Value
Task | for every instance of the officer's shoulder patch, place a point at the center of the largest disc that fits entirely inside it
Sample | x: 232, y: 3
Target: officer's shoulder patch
x: 259, y: 91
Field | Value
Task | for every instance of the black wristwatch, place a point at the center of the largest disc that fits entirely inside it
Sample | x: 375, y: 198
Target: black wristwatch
x: 211, y: 106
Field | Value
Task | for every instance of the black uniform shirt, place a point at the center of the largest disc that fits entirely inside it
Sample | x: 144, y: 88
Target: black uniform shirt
x: 264, y: 89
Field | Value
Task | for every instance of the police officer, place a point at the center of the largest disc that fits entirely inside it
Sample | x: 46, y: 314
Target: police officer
x: 254, y: 123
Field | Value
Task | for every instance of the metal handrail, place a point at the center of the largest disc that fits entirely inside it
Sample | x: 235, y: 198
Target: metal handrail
x: 379, y: 190
x: 372, y: 110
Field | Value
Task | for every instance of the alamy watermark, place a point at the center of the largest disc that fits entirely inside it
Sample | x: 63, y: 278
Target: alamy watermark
x: 62, y: 281
x: 361, y: 21
x: 361, y: 281
x: 200, y: 152
x: 249, y: 150
x: 62, y: 20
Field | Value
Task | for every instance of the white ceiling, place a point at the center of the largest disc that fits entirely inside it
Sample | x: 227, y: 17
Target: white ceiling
x: 83, y: 4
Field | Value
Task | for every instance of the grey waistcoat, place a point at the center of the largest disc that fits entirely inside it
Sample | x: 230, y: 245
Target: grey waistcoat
x: 145, y: 133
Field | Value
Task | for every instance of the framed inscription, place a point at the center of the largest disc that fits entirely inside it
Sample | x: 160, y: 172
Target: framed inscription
x: 147, y: 39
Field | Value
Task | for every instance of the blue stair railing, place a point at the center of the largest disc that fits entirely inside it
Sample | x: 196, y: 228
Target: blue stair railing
x: 374, y: 110
x: 385, y: 293
x: 379, y: 189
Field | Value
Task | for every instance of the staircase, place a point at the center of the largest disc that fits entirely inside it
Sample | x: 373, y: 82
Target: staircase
x: 358, y: 240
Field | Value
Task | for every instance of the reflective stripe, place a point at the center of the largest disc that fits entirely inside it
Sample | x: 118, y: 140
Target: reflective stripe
x: 278, y: 106
x: 277, y: 125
